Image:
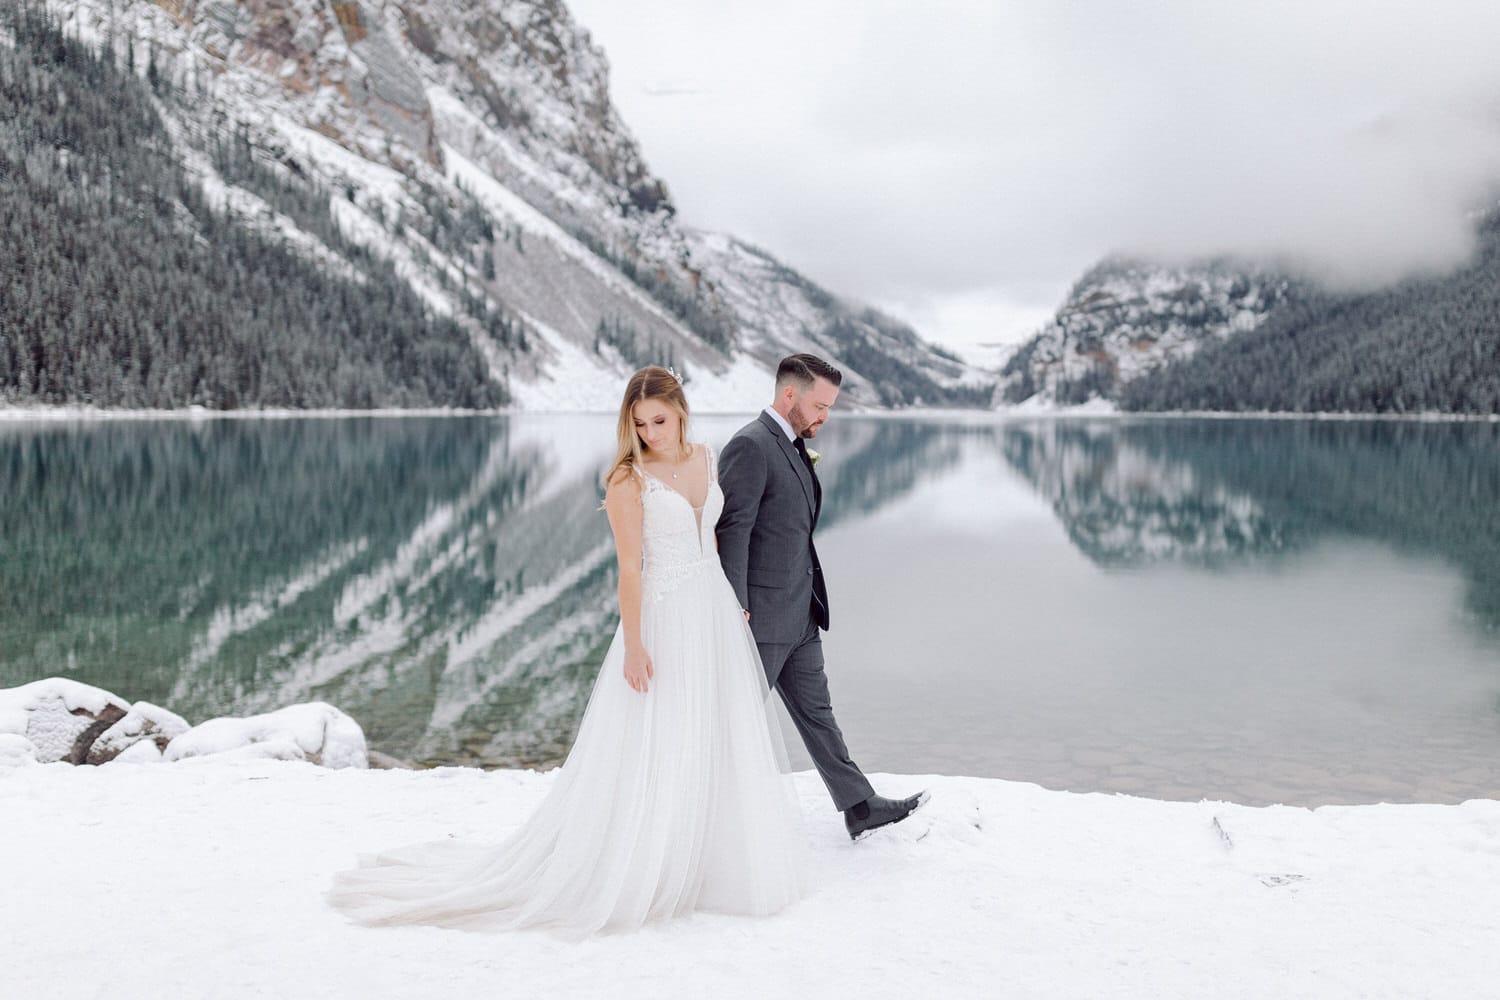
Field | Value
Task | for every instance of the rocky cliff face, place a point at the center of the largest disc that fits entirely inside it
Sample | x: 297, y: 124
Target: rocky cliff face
x: 540, y: 91
x: 474, y: 144
x: 1125, y: 318
x: 337, y: 66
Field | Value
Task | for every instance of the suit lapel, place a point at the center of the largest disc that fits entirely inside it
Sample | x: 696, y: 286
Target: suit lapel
x: 804, y: 477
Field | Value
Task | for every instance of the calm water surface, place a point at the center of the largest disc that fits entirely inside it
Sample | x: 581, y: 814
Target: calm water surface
x: 1262, y: 611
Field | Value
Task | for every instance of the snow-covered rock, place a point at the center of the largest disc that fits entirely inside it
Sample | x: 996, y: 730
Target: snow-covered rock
x: 144, y: 722
x: 57, y: 719
x: 61, y: 718
x: 314, y: 731
x: 143, y: 751
x: 1127, y: 318
x: 16, y: 751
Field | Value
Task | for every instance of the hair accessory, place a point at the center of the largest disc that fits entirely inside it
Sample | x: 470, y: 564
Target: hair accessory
x: 673, y: 372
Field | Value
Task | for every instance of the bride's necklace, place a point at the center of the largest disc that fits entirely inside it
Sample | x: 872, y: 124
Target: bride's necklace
x: 679, y: 464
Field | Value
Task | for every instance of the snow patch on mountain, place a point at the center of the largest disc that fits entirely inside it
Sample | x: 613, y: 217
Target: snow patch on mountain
x: 1126, y: 318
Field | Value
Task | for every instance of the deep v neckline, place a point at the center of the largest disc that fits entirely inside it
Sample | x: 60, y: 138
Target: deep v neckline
x: 708, y: 486
x: 696, y: 508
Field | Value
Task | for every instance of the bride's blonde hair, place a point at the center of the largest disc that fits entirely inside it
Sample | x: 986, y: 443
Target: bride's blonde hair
x: 648, y: 383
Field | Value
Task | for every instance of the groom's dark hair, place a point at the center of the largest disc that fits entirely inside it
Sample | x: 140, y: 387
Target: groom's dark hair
x: 803, y: 368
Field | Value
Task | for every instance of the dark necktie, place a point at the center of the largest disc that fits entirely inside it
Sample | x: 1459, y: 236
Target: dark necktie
x: 817, y: 486
x: 802, y: 450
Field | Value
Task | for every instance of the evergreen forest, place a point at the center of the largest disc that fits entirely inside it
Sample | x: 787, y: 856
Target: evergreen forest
x: 122, y: 286
x: 1426, y: 345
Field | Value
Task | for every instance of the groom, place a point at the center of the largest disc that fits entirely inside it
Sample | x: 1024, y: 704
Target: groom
x: 771, y: 502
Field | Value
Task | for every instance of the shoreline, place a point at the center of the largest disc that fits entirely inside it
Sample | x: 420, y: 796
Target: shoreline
x: 85, y: 414
x: 89, y: 414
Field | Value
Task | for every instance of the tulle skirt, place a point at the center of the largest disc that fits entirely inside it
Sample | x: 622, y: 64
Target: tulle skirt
x: 670, y: 801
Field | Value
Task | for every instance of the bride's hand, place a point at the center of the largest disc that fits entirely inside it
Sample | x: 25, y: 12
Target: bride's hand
x: 638, y: 669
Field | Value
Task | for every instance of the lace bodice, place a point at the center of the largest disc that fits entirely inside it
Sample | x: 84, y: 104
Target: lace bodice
x: 676, y: 537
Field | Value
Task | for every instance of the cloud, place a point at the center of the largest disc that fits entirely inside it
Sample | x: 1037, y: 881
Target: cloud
x: 1354, y: 140
x: 906, y: 153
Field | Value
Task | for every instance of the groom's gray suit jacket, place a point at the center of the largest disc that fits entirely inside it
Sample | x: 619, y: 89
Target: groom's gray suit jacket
x: 771, y: 504
x: 771, y: 501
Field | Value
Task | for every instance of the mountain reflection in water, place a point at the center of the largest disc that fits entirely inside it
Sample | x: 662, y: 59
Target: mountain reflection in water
x: 450, y: 582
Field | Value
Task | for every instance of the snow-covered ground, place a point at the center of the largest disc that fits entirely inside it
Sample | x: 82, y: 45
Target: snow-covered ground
x: 203, y: 878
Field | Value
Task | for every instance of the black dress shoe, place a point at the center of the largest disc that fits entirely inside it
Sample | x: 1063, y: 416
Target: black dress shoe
x: 876, y: 812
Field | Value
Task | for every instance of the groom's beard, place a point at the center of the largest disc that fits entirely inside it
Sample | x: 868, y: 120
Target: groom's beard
x: 803, y: 427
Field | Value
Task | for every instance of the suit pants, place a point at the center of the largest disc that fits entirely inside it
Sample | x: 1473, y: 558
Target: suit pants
x: 795, y: 670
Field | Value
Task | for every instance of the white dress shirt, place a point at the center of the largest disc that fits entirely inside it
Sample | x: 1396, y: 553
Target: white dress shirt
x: 786, y: 428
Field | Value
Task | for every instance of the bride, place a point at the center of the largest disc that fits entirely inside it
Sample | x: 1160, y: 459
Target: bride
x: 674, y: 797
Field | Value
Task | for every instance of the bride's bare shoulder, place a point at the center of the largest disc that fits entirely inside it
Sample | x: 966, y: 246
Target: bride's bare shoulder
x: 623, y: 481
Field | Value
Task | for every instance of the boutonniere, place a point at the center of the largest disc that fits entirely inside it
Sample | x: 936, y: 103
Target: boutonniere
x: 813, y: 456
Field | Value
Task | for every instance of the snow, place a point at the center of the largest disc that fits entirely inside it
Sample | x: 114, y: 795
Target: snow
x: 16, y: 751
x: 776, y: 316
x: 313, y: 731
x: 584, y: 382
x: 994, y: 888
x: 510, y: 206
x: 581, y: 381
x: 377, y: 183
x: 139, y: 752
x: 1041, y: 405
x: 43, y: 712
x: 744, y: 387
x: 141, y: 727
x: 72, y: 694
x: 40, y: 722
x: 253, y: 211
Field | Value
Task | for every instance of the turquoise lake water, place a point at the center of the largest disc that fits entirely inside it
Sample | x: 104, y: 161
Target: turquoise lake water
x: 1256, y: 610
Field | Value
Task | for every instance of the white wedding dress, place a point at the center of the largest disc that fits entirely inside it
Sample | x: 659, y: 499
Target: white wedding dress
x: 670, y: 801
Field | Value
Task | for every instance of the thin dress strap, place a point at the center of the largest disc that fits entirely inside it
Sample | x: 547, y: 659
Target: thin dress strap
x: 713, y: 463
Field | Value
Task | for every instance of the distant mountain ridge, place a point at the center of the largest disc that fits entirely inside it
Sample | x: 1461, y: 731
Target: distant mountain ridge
x: 1227, y: 336
x: 472, y: 147
x: 1427, y: 345
x: 1126, y: 318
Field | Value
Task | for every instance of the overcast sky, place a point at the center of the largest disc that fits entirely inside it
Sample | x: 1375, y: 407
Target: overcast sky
x: 960, y: 164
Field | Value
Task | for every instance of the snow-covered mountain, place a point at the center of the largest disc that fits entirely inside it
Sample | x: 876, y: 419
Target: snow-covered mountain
x: 474, y: 144
x: 1125, y: 318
